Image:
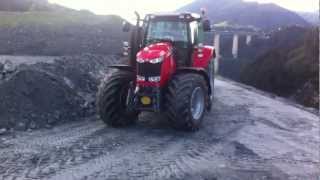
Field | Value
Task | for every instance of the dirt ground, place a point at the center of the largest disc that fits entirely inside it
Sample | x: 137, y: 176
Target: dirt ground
x: 247, y: 136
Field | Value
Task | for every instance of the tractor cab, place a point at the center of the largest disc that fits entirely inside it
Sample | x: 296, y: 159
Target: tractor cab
x: 170, y: 71
x: 183, y: 31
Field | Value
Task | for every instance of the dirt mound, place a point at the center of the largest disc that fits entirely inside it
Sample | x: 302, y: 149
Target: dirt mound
x: 43, y: 94
x: 289, y: 72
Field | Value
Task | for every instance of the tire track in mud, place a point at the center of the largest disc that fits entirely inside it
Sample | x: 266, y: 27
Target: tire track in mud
x: 49, y: 160
x: 156, y: 157
x: 170, y: 161
x: 56, y: 137
x: 90, y: 144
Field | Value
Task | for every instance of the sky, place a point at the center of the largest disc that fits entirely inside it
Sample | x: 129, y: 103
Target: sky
x: 125, y: 8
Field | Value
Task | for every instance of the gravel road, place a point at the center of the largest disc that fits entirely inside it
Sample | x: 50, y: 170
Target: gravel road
x: 247, y: 136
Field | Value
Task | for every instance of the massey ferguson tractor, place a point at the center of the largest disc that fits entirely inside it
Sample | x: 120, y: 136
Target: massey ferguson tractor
x: 169, y: 71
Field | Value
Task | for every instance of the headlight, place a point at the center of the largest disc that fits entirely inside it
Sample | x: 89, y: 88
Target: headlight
x: 154, y: 79
x: 156, y: 60
x: 140, y: 78
x: 139, y: 60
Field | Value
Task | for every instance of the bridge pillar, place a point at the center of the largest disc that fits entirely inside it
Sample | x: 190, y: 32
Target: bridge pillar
x: 248, y: 39
x: 217, y: 50
x: 235, y: 46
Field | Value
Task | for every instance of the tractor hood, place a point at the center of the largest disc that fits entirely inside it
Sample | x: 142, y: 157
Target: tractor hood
x: 154, y: 51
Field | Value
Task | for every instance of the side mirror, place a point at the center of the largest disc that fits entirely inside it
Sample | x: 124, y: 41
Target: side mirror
x: 126, y: 48
x: 126, y: 26
x: 206, y: 25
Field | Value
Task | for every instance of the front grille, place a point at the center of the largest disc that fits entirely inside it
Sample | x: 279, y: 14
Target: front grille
x: 148, y: 69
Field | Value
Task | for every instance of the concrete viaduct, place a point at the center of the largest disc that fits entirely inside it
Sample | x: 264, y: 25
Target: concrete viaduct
x: 235, y: 44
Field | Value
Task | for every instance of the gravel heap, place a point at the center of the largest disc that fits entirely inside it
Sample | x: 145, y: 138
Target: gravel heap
x: 43, y: 94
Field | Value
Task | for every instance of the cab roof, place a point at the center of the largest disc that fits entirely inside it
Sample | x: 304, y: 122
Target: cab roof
x: 174, y: 16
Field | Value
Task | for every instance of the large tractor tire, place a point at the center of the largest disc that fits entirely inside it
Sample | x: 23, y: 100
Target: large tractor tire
x: 112, y: 98
x: 211, y: 74
x: 187, y: 98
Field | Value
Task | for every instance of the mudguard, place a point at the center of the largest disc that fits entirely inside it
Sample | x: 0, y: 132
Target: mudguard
x: 200, y: 71
x: 122, y: 67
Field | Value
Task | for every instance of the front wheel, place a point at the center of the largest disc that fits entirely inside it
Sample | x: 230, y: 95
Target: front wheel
x: 186, y: 99
x: 211, y: 74
x: 112, y: 98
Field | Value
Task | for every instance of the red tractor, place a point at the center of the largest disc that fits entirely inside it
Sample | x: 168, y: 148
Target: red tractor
x: 169, y: 71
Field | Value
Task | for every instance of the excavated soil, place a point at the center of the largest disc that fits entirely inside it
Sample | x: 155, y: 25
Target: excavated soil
x: 41, y: 92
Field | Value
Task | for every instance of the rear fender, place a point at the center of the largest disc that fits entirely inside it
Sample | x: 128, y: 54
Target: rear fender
x: 200, y: 71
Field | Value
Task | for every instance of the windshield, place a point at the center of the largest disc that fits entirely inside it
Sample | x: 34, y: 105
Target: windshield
x: 167, y: 30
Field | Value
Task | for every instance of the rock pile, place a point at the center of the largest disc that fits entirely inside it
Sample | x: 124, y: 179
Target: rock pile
x: 44, y: 94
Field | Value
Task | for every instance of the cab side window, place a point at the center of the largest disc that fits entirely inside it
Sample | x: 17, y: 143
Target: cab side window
x: 194, y: 32
x: 200, y: 34
x: 197, y: 33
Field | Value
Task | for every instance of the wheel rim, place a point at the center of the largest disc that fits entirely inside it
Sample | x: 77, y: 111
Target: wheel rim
x: 197, y: 103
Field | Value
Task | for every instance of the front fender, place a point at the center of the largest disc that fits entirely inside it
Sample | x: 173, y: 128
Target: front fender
x: 196, y: 70
x: 122, y: 67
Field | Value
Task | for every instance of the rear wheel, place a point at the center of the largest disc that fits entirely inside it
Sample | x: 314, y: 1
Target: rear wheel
x: 186, y: 99
x: 112, y: 98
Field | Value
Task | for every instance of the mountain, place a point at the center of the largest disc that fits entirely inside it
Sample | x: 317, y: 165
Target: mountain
x: 264, y: 16
x: 30, y: 5
x: 24, y: 5
x: 311, y: 17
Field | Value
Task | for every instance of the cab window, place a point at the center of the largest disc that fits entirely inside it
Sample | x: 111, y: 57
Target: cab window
x: 200, y: 33
x: 172, y: 30
x: 196, y: 32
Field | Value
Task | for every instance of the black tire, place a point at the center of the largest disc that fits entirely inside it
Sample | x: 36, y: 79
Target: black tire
x: 178, y: 100
x: 211, y: 74
x: 111, y: 100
